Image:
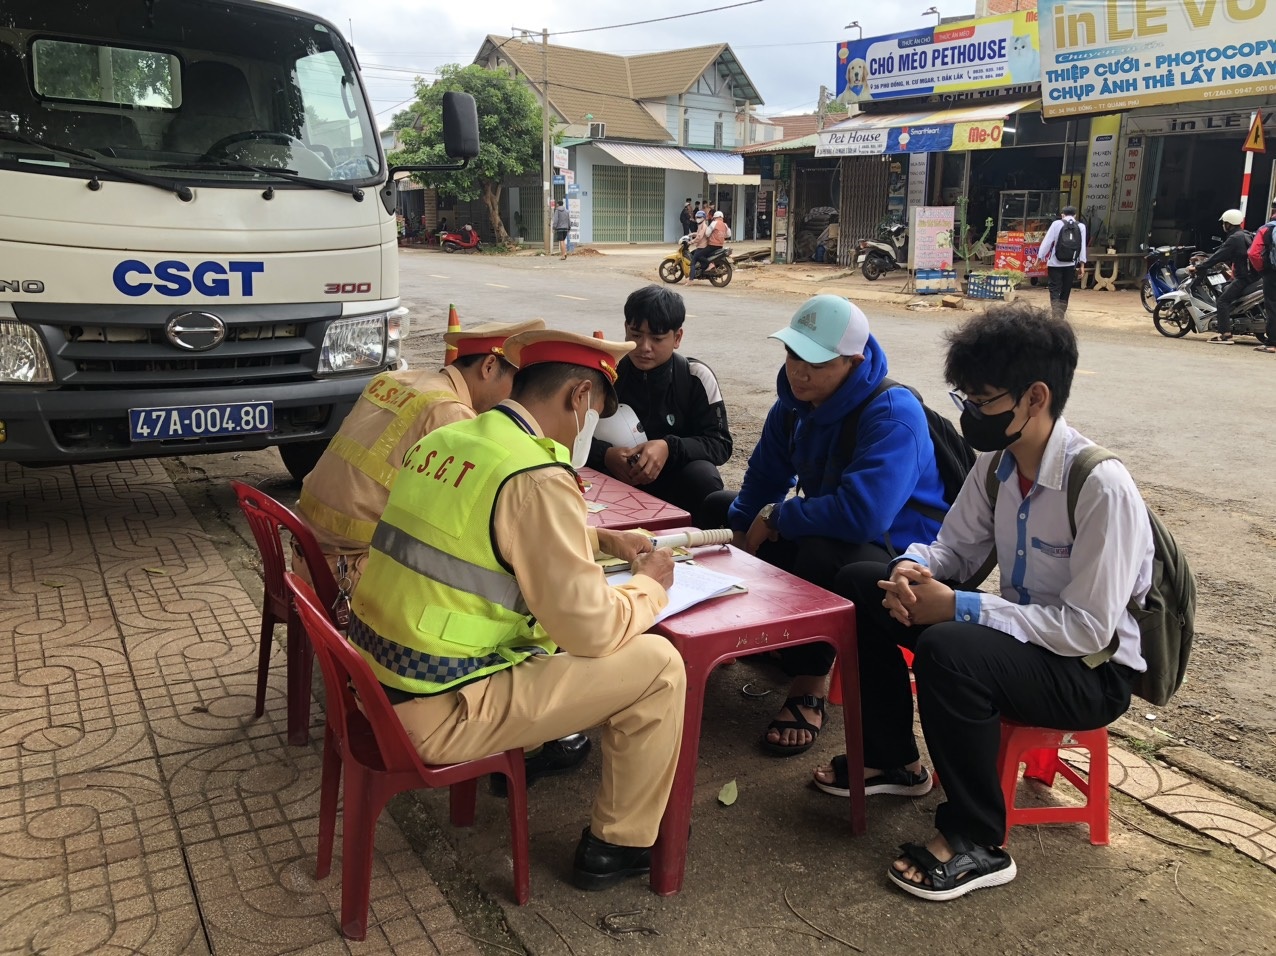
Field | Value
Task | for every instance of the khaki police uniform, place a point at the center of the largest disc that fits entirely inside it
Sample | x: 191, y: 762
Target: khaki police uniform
x: 510, y: 693
x: 343, y: 496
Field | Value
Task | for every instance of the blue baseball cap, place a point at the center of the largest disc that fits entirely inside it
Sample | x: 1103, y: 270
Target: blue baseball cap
x: 699, y: 213
x: 824, y: 327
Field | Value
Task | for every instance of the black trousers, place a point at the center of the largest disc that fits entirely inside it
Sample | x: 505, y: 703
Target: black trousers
x: 1269, y: 303
x: 817, y: 560
x: 687, y: 488
x: 1224, y: 302
x: 968, y: 676
x: 1060, y: 280
x: 699, y: 261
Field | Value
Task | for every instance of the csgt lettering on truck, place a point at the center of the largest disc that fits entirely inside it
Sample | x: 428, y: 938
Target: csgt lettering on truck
x: 173, y: 277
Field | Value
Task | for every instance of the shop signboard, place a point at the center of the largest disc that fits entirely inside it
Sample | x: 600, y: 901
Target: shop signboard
x: 1131, y: 167
x: 930, y: 237
x: 926, y: 138
x: 560, y: 157
x: 987, y: 53
x: 917, y: 163
x: 1096, y: 203
x: 1104, y: 56
x: 572, y: 200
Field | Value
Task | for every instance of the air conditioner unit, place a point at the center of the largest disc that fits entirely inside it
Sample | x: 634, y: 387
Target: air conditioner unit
x: 597, y: 130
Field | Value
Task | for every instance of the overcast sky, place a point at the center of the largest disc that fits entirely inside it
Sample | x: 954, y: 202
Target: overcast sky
x: 787, y: 48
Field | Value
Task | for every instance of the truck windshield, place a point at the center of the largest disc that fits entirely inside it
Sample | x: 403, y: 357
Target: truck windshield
x: 185, y: 90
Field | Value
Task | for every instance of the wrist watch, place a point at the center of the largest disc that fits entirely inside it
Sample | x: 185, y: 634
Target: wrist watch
x: 768, y: 516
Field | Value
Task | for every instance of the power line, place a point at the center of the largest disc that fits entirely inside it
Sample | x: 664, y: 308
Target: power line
x: 639, y: 23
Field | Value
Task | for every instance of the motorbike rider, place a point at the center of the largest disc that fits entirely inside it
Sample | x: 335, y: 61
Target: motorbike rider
x: 699, y: 244
x: 1235, y: 252
x: 716, y: 233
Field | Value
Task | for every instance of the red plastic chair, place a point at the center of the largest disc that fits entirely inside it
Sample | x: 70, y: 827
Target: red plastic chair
x: 365, y: 742
x: 265, y: 517
x: 1038, y: 747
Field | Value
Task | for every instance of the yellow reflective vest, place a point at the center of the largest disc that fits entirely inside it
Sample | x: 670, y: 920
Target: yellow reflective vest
x: 342, y: 498
x: 437, y: 607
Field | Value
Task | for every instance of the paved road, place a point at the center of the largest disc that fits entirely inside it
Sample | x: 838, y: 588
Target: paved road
x: 1187, y: 417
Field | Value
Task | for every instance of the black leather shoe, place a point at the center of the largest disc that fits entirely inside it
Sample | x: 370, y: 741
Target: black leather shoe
x: 555, y: 757
x: 600, y: 864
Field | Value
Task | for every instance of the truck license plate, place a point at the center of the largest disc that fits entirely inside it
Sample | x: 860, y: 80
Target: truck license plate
x: 200, y: 421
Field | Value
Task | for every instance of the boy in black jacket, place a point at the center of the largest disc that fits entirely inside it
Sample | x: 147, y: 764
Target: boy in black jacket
x: 678, y: 403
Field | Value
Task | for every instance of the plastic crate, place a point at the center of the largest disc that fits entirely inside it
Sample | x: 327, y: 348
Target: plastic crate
x: 935, y: 281
x: 982, y: 286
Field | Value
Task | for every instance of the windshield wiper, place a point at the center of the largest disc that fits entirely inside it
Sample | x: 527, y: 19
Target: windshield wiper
x: 182, y: 192
x: 286, y: 174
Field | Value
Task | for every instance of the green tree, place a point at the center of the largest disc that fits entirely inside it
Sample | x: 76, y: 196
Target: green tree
x: 87, y: 72
x: 509, y: 133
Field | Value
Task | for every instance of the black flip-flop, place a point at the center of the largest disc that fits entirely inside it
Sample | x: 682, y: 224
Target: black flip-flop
x: 899, y: 782
x: 809, y: 701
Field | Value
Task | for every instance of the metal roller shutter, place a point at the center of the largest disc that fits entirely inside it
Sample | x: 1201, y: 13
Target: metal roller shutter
x: 629, y: 204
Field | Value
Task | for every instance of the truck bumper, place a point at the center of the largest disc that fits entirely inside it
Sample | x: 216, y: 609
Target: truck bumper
x: 62, y: 426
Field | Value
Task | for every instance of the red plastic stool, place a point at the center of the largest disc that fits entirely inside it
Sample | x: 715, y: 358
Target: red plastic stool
x: 835, y: 680
x: 1038, y: 747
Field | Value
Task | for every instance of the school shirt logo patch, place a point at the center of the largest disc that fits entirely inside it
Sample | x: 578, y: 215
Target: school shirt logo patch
x: 1052, y: 550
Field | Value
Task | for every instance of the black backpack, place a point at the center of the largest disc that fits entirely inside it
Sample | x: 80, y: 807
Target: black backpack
x: 1166, y: 619
x: 1068, y: 248
x: 953, y: 455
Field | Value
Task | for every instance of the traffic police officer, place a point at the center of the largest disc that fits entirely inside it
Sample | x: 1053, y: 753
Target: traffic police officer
x: 483, y: 565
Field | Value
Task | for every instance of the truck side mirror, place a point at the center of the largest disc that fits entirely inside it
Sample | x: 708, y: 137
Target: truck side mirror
x: 460, y: 126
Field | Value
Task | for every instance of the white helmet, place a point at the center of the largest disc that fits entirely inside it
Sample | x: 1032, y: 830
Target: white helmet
x: 1233, y: 217
x: 718, y: 214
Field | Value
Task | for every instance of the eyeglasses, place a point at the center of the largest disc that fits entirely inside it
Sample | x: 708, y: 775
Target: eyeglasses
x: 975, y: 408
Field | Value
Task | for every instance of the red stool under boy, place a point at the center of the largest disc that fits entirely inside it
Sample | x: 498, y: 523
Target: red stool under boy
x: 1038, y: 747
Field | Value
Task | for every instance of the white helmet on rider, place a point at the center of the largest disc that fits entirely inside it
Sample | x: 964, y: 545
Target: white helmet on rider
x: 1233, y: 217
x: 718, y: 214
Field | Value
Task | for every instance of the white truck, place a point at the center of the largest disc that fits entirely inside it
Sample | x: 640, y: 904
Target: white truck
x: 198, y: 247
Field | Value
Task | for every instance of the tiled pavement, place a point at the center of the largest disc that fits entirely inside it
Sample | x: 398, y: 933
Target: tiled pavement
x: 142, y: 808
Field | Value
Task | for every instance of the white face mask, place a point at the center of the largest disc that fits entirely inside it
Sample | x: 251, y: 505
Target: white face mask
x: 584, y: 437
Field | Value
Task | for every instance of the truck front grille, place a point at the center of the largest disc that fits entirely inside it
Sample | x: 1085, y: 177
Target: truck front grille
x: 127, y: 355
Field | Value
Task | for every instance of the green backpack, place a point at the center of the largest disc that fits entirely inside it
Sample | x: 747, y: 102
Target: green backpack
x: 1166, y: 620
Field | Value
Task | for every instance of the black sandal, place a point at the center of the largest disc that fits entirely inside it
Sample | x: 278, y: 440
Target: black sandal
x: 899, y: 782
x: 811, y: 702
x: 971, y: 868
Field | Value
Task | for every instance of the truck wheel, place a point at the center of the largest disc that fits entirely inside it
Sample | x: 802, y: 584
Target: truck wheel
x: 300, y: 457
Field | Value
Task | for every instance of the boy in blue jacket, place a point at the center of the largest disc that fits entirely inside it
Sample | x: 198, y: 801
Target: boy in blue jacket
x: 869, y: 507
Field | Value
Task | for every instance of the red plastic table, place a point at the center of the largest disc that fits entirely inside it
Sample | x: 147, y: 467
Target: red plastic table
x: 629, y: 507
x: 779, y: 610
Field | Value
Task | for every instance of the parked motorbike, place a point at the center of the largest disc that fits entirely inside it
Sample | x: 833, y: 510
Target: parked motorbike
x: 881, y: 255
x: 1160, y: 277
x: 1193, y: 306
x: 677, y: 265
x: 464, y: 241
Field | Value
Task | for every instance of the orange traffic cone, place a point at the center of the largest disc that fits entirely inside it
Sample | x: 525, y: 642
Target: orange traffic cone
x: 453, y: 325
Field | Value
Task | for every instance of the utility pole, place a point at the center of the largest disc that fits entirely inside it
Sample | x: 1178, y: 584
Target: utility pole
x: 546, y: 172
x: 819, y: 110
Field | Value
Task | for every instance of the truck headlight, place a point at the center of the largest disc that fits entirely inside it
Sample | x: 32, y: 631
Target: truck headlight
x: 358, y: 343
x: 23, y: 358
x: 396, y: 330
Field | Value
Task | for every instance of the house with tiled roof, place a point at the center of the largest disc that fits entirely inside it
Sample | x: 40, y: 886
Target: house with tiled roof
x: 643, y: 133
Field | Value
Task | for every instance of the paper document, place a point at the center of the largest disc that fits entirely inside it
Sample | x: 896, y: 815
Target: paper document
x: 622, y: 428
x: 691, y: 585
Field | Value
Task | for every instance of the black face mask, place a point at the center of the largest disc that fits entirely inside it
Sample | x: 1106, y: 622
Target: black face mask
x: 988, y: 432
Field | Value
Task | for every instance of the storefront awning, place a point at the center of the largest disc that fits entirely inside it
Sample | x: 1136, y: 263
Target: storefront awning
x: 936, y: 131
x: 734, y: 179
x: 653, y: 157
x: 713, y: 163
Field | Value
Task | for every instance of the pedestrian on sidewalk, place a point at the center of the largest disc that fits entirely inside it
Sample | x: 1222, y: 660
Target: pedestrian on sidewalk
x: 687, y: 219
x: 1041, y: 652
x: 1063, y: 248
x: 562, y: 225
